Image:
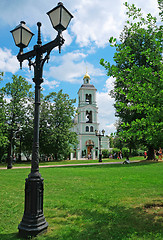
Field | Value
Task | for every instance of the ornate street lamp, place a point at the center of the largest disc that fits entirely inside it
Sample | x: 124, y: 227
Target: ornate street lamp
x: 99, y: 135
x: 33, y: 221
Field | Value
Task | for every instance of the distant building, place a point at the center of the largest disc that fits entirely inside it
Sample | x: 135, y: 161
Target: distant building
x: 85, y: 123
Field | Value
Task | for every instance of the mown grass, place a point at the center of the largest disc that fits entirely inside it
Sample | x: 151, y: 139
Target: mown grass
x: 90, y: 202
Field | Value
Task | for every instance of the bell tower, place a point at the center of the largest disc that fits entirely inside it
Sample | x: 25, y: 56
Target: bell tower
x: 85, y: 123
x: 87, y: 117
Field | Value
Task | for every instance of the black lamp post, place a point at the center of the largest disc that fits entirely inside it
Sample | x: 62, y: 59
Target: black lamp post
x: 10, y: 152
x: 33, y: 221
x: 11, y: 147
x: 99, y: 135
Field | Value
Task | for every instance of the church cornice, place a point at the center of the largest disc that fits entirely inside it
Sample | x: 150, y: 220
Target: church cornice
x: 85, y: 134
x: 88, y: 107
x: 88, y: 124
x: 87, y: 87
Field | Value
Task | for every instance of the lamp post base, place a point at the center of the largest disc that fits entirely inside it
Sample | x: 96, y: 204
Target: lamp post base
x: 32, y: 226
x: 33, y: 221
x: 9, y: 166
x: 100, y: 157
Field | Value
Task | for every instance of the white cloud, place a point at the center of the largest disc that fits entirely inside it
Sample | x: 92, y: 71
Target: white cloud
x: 72, y: 67
x: 8, y: 62
x: 93, y: 22
x: 106, y: 113
x: 150, y: 6
x: 50, y: 84
x: 109, y: 84
x: 97, y: 21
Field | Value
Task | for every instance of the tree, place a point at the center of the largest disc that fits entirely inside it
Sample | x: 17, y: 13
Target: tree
x: 160, y: 3
x: 56, y: 115
x: 26, y: 133
x: 138, y: 86
x: 3, y: 132
x: 16, y: 109
x: 17, y: 114
x: 111, y: 140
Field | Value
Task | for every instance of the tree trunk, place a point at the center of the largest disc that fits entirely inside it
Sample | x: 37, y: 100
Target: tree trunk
x: 130, y: 151
x: 150, y: 153
x: 56, y: 157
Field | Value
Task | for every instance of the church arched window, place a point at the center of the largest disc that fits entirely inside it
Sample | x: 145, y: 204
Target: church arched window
x: 91, y: 129
x: 89, y: 116
x: 87, y: 129
x: 88, y: 98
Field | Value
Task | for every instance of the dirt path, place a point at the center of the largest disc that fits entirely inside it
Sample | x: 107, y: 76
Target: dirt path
x: 68, y: 165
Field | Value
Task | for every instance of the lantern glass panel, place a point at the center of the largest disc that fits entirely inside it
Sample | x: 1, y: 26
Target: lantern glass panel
x: 17, y: 36
x: 65, y: 18
x: 55, y: 17
x: 26, y: 37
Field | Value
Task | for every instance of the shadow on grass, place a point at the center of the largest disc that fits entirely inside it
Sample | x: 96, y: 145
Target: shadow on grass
x: 11, y: 236
x: 114, y: 222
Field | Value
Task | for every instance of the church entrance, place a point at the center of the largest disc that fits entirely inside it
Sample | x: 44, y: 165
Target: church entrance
x: 89, y: 144
x: 89, y: 150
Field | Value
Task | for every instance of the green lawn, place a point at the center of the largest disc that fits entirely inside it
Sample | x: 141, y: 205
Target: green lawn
x: 90, y: 202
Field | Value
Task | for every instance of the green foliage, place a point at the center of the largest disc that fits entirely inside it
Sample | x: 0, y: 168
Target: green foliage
x: 56, y: 137
x: 16, y: 108
x: 138, y: 152
x: 125, y: 152
x: 105, y: 153
x: 3, y: 137
x: 16, y: 121
x: 138, y: 86
x: 27, y: 129
x: 160, y: 2
x: 115, y: 150
x: 111, y: 140
x: 17, y: 91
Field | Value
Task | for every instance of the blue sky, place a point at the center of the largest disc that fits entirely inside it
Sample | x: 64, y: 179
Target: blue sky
x: 86, y: 42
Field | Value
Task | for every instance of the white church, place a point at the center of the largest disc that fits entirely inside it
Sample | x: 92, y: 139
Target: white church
x: 86, y: 122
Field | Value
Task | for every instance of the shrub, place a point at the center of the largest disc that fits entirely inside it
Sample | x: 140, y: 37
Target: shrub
x: 105, y: 153
x: 125, y: 152
x: 138, y: 152
x: 115, y: 150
